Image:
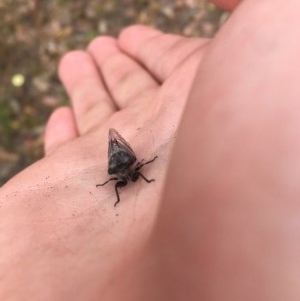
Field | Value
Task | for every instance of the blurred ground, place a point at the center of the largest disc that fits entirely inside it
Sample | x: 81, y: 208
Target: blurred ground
x: 36, y: 33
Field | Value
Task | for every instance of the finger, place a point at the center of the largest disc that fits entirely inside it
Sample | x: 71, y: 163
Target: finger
x: 160, y: 53
x: 60, y: 128
x: 126, y: 80
x: 91, y: 102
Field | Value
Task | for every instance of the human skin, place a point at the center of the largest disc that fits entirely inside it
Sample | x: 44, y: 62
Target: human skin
x: 221, y: 221
x: 61, y: 237
x: 231, y: 229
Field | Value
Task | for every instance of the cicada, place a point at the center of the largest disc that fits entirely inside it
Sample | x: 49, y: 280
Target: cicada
x: 122, y: 163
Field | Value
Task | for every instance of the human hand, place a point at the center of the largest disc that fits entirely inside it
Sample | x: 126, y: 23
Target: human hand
x: 60, y: 235
x: 228, y: 223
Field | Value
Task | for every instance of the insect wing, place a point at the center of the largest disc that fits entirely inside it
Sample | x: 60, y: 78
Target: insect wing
x: 116, y: 141
x: 120, y: 154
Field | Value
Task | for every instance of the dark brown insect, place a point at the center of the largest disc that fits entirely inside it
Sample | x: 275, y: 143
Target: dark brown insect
x: 122, y: 163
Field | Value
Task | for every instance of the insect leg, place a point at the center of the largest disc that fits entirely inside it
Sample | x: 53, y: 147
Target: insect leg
x: 111, y: 179
x: 148, y: 181
x: 141, y: 164
x: 119, y: 184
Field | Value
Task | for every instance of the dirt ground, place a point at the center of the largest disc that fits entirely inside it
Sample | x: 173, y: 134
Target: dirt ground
x: 36, y: 33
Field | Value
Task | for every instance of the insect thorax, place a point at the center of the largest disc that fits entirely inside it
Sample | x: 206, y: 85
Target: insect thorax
x: 119, y: 162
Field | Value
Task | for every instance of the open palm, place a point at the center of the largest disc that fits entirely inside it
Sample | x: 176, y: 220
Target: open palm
x: 137, y: 84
